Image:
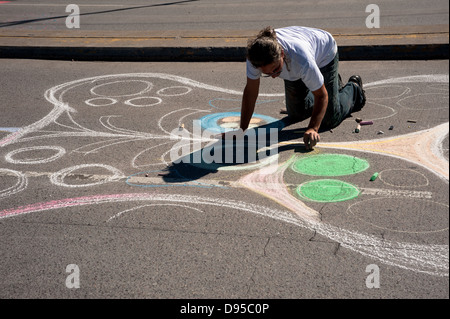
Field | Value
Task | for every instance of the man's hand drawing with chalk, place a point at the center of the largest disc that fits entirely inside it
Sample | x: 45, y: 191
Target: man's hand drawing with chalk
x: 307, y: 60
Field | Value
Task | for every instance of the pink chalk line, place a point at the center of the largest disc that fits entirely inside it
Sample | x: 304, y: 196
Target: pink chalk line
x: 9, y: 138
x: 71, y: 202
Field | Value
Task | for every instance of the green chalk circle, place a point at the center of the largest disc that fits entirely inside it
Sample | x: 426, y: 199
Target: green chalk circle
x: 329, y: 165
x: 327, y: 191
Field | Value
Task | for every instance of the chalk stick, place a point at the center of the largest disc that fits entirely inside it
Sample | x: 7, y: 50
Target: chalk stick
x: 366, y: 122
x: 374, y: 177
x: 411, y: 121
x: 163, y: 174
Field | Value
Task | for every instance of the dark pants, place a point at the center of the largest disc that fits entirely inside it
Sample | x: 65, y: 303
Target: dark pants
x: 342, y: 101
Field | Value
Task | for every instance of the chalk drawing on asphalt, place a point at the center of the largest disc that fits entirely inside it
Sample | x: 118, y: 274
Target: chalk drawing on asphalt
x: 62, y: 123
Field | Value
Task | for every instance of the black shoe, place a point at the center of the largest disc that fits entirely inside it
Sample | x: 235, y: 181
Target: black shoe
x: 357, y: 80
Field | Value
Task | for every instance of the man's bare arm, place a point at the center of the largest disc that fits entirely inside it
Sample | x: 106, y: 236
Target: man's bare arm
x: 311, y: 136
x: 249, y: 98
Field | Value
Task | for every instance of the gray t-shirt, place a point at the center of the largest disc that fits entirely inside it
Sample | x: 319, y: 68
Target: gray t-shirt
x: 306, y: 50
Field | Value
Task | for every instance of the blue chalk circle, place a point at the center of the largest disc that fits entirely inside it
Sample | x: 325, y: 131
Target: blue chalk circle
x: 232, y: 104
x: 229, y: 121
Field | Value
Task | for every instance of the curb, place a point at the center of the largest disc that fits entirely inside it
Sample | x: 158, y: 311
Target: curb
x: 393, y: 43
x: 213, y: 54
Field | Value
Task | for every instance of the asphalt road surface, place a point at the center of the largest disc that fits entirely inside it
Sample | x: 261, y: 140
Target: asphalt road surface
x: 92, y: 205
x: 160, y: 15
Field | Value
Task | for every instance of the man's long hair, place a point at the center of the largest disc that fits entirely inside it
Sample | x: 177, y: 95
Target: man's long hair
x: 264, y: 49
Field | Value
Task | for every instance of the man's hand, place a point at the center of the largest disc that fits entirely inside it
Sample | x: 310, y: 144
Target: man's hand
x: 311, y: 138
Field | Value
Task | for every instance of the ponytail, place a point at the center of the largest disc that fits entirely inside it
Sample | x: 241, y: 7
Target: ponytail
x: 267, y: 32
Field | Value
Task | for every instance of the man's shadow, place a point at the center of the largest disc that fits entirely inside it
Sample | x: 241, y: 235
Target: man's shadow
x: 227, y: 152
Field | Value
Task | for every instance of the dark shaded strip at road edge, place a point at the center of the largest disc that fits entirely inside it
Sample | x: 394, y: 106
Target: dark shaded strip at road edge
x: 213, y: 54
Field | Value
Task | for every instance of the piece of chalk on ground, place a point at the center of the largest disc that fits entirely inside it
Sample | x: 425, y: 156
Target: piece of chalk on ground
x: 374, y: 177
x: 412, y: 121
x: 366, y: 122
x: 358, y: 128
x: 358, y: 120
